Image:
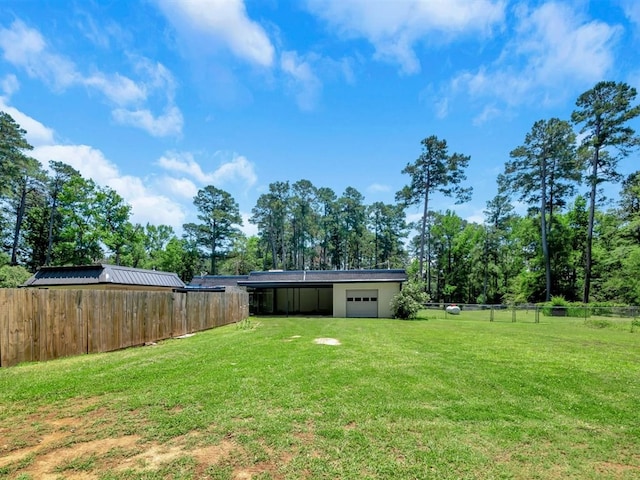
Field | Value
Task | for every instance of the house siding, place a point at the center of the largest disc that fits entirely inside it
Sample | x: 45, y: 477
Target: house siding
x: 386, y: 292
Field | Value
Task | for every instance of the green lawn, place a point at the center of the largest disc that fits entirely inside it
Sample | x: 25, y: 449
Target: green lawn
x: 444, y: 397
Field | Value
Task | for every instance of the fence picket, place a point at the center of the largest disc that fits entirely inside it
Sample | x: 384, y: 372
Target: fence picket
x: 41, y: 324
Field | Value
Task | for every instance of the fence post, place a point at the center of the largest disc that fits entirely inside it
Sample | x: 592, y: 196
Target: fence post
x: 513, y: 314
x: 491, y: 314
x: 537, y: 314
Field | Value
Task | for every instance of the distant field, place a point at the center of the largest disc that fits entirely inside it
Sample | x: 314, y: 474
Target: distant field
x: 442, y: 397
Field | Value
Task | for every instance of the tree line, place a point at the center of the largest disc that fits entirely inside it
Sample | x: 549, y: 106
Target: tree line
x: 569, y: 243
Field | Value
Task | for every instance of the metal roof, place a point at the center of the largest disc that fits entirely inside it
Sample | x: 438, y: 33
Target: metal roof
x: 102, y: 274
x: 299, y: 278
x: 215, y: 281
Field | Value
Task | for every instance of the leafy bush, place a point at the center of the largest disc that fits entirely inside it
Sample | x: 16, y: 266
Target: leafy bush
x: 408, y: 302
x: 559, y: 306
x: 12, y: 277
x: 4, y: 259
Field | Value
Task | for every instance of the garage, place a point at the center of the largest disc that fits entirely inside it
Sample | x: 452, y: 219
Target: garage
x: 338, y: 293
x: 362, y: 303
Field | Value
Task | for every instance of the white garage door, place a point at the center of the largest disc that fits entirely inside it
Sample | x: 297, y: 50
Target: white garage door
x: 362, y: 303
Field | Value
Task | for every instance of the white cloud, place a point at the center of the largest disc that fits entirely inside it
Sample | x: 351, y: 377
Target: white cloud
x: 183, y: 162
x: 9, y: 85
x: 305, y: 83
x: 632, y: 10
x: 488, y: 113
x: 37, y: 133
x: 26, y: 48
x: 378, y: 188
x: 557, y: 42
x: 476, y: 216
x: 394, y: 28
x: 248, y: 228
x: 553, y: 50
x: 147, y: 205
x: 90, y: 162
x: 117, y: 88
x: 181, y: 187
x: 414, y: 217
x: 157, y: 210
x: 237, y: 169
x: 221, y: 23
x: 168, y: 123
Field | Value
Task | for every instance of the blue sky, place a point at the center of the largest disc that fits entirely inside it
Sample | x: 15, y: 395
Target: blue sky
x: 158, y: 98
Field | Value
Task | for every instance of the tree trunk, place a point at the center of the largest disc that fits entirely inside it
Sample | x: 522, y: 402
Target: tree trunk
x: 592, y: 210
x: 423, y: 231
x: 543, y: 233
x: 54, y: 205
x: 19, y: 218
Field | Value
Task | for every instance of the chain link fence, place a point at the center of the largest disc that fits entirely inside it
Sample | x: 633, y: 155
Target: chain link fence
x: 598, y: 316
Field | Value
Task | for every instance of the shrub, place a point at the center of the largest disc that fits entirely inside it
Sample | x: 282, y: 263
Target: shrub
x: 408, y: 302
x: 559, y: 306
x: 13, y: 277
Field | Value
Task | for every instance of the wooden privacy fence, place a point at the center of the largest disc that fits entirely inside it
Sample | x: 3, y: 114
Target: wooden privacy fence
x: 40, y: 324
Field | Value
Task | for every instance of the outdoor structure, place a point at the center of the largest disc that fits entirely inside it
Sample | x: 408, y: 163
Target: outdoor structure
x: 104, y: 277
x: 217, y: 283
x: 340, y: 293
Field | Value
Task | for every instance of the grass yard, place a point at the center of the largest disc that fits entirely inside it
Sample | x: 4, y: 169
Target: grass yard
x: 443, y: 398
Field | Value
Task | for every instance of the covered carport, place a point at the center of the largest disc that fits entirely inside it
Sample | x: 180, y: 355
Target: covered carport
x: 339, y: 293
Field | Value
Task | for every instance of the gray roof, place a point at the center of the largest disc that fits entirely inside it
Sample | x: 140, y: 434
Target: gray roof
x: 300, y: 278
x: 214, y: 281
x: 102, y: 274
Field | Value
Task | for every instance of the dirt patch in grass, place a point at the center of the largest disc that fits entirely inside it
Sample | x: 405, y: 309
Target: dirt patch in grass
x: 54, y: 445
x: 617, y: 470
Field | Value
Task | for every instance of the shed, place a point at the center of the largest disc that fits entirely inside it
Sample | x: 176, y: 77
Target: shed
x: 105, y: 277
x: 340, y: 293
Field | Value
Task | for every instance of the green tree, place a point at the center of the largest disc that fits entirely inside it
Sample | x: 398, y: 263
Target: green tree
x: 13, y: 144
x: 434, y: 171
x: 25, y: 190
x: 304, y: 221
x: 498, y: 258
x: 116, y: 232
x: 329, y: 226
x: 153, y: 241
x: 80, y: 235
x: 61, y: 173
x: 389, y: 228
x: 270, y: 215
x: 544, y: 171
x: 219, y: 215
x: 187, y: 250
x: 352, y: 219
x: 407, y: 303
x: 34, y: 237
x: 445, y: 235
x: 244, y: 256
x: 13, y: 276
x: 181, y: 256
x: 603, y: 113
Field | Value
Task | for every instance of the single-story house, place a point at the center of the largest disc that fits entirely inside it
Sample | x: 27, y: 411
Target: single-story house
x: 105, y: 277
x: 340, y: 293
x: 220, y: 283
